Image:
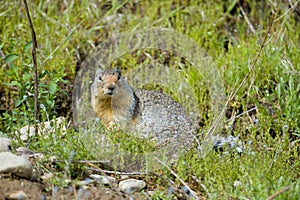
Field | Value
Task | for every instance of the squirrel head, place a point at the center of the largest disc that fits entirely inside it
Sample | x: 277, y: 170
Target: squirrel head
x: 108, y: 81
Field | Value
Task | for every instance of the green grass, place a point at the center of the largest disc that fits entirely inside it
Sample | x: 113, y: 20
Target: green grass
x: 68, y: 32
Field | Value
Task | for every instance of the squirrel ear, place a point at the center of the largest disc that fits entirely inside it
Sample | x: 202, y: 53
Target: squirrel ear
x: 118, y: 72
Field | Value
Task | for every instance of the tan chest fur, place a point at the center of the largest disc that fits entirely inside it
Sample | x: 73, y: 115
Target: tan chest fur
x: 104, y: 111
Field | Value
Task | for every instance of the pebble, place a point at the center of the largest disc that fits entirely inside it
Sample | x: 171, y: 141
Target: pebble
x: 87, y: 181
x: 233, y: 143
x: 130, y: 186
x: 32, y: 156
x: 43, y: 128
x: 19, y: 195
x: 47, y: 176
x: 151, y: 193
x: 123, y: 177
x: 104, y: 180
x: 4, y: 144
x: 191, y: 194
x: 18, y: 165
x: 24, y: 151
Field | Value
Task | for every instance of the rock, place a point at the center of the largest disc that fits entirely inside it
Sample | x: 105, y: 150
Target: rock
x: 4, y: 144
x: 151, y: 193
x: 18, y: 165
x: 123, y: 177
x: 104, y: 180
x: 131, y: 185
x: 24, y: 151
x: 43, y: 128
x: 20, y: 195
x: 47, y: 176
x: 191, y: 194
x: 229, y: 142
x: 87, y: 181
x: 68, y: 181
x: 82, y: 193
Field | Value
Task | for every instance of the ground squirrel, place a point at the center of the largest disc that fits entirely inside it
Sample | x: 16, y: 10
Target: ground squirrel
x: 150, y: 114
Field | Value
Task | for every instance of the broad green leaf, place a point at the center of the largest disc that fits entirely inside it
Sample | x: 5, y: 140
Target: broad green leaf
x: 52, y: 87
x: 13, y: 83
x: 19, y: 101
x: 27, y: 46
x: 43, y: 74
x: 11, y: 58
x: 50, y: 103
x: 27, y: 76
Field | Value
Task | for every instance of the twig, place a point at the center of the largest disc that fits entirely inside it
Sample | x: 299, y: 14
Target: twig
x: 202, y: 185
x: 247, y: 111
x: 273, y: 196
x: 125, y: 173
x: 172, y: 172
x: 255, y: 61
x: 234, y: 92
x: 36, y: 89
x: 91, y: 161
x: 291, y: 9
x: 146, y: 195
x: 74, y: 190
x: 96, y: 168
x: 82, y: 161
x: 247, y: 19
x: 117, y: 172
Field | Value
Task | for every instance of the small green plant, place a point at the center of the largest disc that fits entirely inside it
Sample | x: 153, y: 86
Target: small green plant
x: 20, y: 80
x: 131, y: 143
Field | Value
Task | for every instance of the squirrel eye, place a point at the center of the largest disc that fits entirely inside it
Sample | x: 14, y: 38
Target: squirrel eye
x: 100, y: 79
x: 118, y: 71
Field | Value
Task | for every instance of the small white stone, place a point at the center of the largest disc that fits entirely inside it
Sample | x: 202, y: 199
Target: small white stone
x: 123, y: 177
x: 24, y: 151
x: 95, y: 176
x: 43, y: 128
x: 105, y: 180
x: 68, y: 181
x: 85, y: 182
x: 17, y: 195
x: 151, y: 193
x: 130, y: 186
x: 47, y: 176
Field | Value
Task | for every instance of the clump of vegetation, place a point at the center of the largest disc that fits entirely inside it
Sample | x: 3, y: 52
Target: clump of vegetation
x: 264, y: 113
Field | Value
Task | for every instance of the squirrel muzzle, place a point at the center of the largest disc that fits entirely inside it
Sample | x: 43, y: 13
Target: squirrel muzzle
x: 109, y: 90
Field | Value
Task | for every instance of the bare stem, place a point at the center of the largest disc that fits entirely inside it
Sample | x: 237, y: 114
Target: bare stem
x: 234, y: 92
x: 34, y: 47
x: 276, y: 194
x: 182, y: 182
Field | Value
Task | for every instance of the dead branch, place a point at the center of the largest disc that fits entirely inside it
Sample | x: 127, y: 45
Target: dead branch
x: 273, y: 196
x: 33, y: 51
x: 176, y: 176
x: 237, y: 89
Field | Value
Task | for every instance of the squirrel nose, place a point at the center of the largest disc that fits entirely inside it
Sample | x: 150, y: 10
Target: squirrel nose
x: 111, y: 87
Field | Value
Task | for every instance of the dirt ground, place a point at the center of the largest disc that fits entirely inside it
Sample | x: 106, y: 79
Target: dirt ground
x: 38, y: 191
